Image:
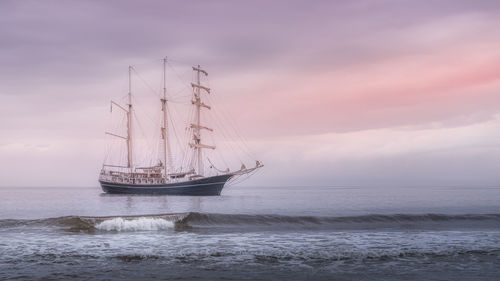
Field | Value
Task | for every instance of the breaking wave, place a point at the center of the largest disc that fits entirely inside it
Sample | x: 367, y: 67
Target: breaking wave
x: 139, y: 224
x: 194, y: 220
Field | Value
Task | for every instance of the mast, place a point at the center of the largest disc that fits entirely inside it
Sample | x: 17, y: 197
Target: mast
x: 198, y: 117
x: 129, y: 121
x: 164, y: 131
x: 197, y: 145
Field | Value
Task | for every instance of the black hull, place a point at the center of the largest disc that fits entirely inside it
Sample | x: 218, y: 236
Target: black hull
x: 209, y: 186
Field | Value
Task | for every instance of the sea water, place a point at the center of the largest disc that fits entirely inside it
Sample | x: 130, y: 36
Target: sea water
x: 252, y: 233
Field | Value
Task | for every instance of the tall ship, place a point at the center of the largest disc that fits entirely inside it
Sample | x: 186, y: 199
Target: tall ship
x: 196, y: 176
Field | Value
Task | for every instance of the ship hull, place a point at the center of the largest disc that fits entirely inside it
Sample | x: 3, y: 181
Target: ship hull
x: 209, y: 186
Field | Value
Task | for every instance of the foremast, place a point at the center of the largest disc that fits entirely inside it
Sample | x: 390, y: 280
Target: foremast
x: 197, y: 127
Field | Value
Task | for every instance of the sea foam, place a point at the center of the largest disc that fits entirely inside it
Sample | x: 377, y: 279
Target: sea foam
x: 138, y: 224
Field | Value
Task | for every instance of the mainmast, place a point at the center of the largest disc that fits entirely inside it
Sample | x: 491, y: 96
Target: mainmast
x: 197, y: 145
x: 164, y: 130
x: 129, y: 121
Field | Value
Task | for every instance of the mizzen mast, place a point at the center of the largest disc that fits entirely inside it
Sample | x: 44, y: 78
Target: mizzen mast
x: 197, y: 127
x: 164, y: 129
x: 128, y: 137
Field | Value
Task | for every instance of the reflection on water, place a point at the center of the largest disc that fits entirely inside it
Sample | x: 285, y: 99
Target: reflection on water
x: 134, y: 203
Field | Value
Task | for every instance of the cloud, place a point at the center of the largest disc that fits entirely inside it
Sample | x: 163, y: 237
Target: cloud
x: 404, y: 156
x: 456, y: 78
x: 315, y: 73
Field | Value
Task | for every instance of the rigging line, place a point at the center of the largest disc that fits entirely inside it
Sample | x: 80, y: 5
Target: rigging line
x: 148, y: 62
x: 179, y: 94
x: 244, y: 146
x: 239, y: 180
x: 157, y: 136
x: 124, y: 99
x: 227, y: 142
x: 183, y: 81
x: 123, y: 151
x: 237, y: 143
x: 179, y: 102
x: 219, y: 152
x: 154, y: 153
x: 168, y: 147
x: 177, y: 73
x: 183, y: 100
x: 172, y: 120
x: 143, y: 133
x: 174, y: 128
x: 235, y: 180
x: 109, y: 149
x: 234, y: 153
x: 231, y: 123
x: 150, y: 143
x: 184, y: 148
x: 244, y: 177
x: 177, y: 85
x: 106, y: 144
x: 180, y: 62
x: 146, y: 83
x: 191, y: 158
x: 226, y: 135
x: 140, y: 108
x: 187, y: 156
x: 158, y: 147
x: 175, y: 94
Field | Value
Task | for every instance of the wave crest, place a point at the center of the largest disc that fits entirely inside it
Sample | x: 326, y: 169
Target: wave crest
x: 194, y: 220
x: 372, y: 220
x: 139, y: 224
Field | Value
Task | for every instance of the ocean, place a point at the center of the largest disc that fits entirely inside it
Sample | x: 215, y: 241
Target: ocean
x: 252, y: 233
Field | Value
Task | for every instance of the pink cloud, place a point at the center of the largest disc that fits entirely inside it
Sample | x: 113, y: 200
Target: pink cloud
x: 408, y: 90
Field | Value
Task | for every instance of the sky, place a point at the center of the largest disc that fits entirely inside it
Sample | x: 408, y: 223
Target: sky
x: 325, y: 93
